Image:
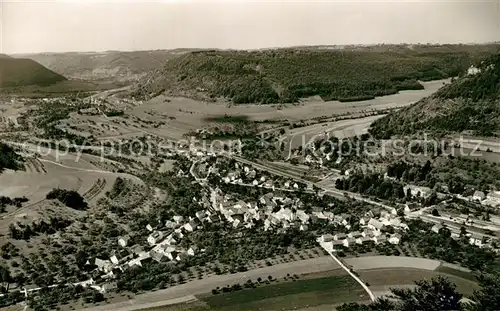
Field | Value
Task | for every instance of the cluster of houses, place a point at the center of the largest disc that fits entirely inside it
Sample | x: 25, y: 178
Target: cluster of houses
x: 374, y: 224
x: 491, y: 199
x: 164, y: 245
x: 274, y: 211
x: 243, y: 173
x: 474, y: 239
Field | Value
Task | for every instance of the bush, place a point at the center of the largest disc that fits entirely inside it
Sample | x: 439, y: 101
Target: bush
x: 70, y: 198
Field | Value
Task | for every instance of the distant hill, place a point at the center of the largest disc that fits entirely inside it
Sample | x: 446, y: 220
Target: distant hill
x: 23, y: 72
x: 285, y: 75
x: 110, y: 65
x: 471, y: 105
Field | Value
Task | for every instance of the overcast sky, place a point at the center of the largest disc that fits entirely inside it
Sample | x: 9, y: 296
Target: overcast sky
x: 87, y: 25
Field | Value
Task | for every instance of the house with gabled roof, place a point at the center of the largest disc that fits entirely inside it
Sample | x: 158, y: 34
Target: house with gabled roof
x: 375, y: 224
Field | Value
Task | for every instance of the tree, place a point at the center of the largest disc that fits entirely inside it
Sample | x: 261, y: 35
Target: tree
x: 488, y: 297
x: 5, y: 276
x: 438, y: 294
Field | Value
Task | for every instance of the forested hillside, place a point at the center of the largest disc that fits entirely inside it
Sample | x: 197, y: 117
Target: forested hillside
x: 470, y: 104
x: 110, y: 65
x: 286, y: 75
x: 22, y: 72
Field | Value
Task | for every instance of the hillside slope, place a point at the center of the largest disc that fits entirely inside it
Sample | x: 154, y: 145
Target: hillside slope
x: 286, y: 75
x: 22, y: 72
x: 471, y: 105
x: 111, y: 65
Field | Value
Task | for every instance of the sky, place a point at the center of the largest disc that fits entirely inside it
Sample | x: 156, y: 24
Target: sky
x: 34, y: 26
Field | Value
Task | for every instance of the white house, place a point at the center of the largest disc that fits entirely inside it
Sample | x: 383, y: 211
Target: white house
x: 436, y: 228
x: 123, y: 241
x: 349, y: 242
x: 326, y: 238
x: 103, y: 265
x: 155, y: 237
x: 192, y: 250
x: 473, y: 70
x: 423, y: 192
x: 363, y: 221
x: 190, y: 226
x: 477, y: 241
x: 380, y: 239
x: 395, y: 238
x: 375, y: 225
x: 178, y: 219
x: 478, y: 196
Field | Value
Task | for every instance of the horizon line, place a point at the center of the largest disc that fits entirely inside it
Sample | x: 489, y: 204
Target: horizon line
x: 261, y: 49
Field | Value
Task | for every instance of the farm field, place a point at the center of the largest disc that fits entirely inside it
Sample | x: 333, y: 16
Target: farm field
x: 290, y: 295
x: 173, y: 117
x: 381, y: 280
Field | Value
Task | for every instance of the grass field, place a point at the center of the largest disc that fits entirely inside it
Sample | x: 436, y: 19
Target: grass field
x: 291, y: 295
x: 458, y: 273
x: 381, y: 280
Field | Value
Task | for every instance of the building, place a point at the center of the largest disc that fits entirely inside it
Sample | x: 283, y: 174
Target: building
x: 103, y: 265
x: 349, y: 242
x: 190, y: 226
x: 355, y: 234
x: 436, y: 228
x: 340, y: 236
x: 478, y: 196
x: 375, y: 225
x: 418, y: 191
x: 326, y: 238
x: 363, y: 221
x: 155, y: 238
x: 380, y: 239
x: 118, y: 257
x: 363, y: 240
x: 476, y: 241
x: 123, y: 241
x: 395, y: 238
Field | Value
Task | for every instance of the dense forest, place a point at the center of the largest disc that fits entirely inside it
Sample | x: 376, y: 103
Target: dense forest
x: 286, y: 75
x: 470, y: 104
x: 9, y: 159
